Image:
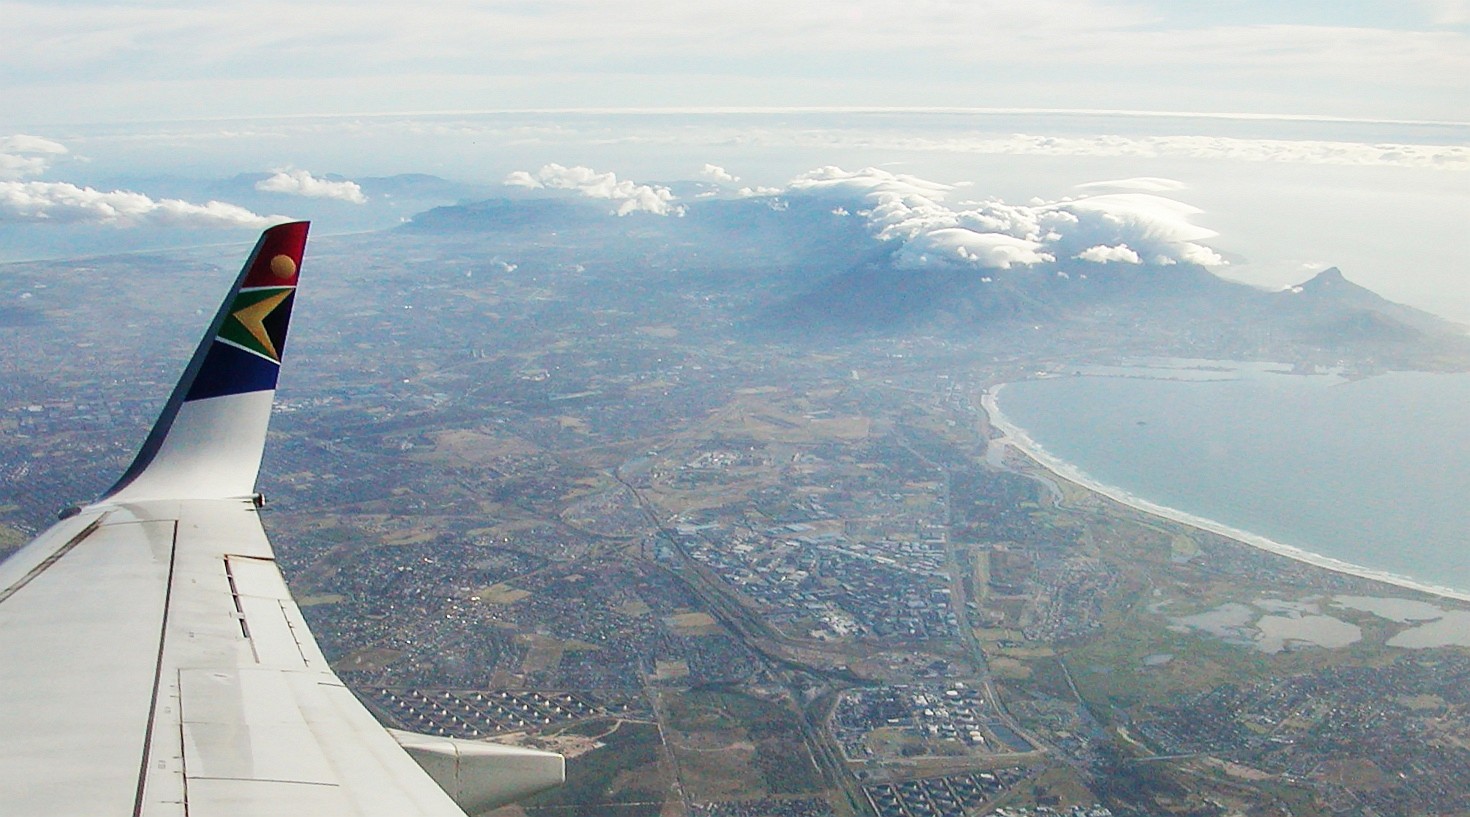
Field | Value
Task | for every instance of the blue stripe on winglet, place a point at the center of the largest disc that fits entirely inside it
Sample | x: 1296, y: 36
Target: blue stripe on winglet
x: 228, y: 370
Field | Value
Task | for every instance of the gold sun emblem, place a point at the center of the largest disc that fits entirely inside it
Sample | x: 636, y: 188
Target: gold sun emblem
x: 283, y: 267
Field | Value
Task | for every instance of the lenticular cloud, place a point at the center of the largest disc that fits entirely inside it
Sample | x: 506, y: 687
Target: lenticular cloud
x: 1132, y: 228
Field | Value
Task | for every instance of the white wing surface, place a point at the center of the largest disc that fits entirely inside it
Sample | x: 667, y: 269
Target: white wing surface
x: 152, y: 661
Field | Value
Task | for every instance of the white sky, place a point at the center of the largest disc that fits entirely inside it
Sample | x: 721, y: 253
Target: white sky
x: 94, y: 60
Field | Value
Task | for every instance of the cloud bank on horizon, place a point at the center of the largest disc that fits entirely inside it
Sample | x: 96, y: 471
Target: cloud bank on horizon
x: 1196, y: 146
x: 25, y: 199
x: 65, y: 203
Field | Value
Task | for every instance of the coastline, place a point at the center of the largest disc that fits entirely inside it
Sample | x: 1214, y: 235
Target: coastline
x: 1016, y: 437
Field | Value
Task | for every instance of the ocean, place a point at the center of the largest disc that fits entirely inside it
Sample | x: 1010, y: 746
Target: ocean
x: 1374, y: 472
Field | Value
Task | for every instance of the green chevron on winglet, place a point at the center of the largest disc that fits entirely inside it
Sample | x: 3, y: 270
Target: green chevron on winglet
x: 247, y: 328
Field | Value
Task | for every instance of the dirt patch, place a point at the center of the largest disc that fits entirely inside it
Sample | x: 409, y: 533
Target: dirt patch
x: 693, y: 624
x: 372, y: 659
x: 502, y: 593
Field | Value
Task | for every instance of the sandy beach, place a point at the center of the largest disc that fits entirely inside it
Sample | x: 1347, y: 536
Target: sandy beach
x: 1017, y: 438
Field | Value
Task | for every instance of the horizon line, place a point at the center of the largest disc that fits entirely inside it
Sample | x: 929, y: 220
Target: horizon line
x: 833, y: 109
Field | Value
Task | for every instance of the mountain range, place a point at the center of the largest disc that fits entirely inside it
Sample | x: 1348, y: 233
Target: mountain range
x: 810, y: 273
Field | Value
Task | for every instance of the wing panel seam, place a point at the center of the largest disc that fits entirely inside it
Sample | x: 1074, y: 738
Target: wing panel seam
x: 183, y: 753
x: 168, y: 592
x: 272, y: 780
x: 52, y: 559
x: 235, y: 597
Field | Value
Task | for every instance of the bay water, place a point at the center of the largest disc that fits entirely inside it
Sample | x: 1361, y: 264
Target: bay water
x: 1374, y: 472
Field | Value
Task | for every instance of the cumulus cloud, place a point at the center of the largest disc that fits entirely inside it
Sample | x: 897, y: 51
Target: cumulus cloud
x: 22, y: 155
x: 302, y: 183
x: 1111, y: 227
x: 1103, y: 254
x: 719, y: 174
x: 59, y: 202
x: 15, y: 166
x: 628, y: 196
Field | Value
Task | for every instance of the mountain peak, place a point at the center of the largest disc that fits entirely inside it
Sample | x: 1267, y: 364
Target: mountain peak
x: 1332, y: 285
x: 1328, y: 277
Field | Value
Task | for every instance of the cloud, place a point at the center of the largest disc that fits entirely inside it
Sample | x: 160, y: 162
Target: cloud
x: 23, y: 143
x: 1138, y: 184
x: 628, y: 196
x: 1448, y: 12
x: 302, y: 183
x: 719, y: 174
x: 869, y: 180
x: 1103, y: 254
x: 22, y: 155
x: 13, y: 166
x: 946, y: 245
x: 60, y: 202
x: 1453, y: 157
x: 1158, y: 228
x: 1112, y: 227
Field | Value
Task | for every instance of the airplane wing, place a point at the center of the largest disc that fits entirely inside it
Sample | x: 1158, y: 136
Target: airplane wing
x: 152, y: 661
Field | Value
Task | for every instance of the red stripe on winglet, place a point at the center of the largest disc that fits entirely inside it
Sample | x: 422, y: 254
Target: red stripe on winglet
x: 288, y: 240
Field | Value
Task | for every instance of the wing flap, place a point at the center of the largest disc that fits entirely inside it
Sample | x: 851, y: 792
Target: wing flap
x: 253, y: 736
x: 261, y: 715
x: 264, y: 798
x: 246, y: 725
x: 381, y: 779
x: 273, y: 623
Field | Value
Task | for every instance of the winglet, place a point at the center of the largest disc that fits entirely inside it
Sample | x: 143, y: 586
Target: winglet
x: 208, y: 440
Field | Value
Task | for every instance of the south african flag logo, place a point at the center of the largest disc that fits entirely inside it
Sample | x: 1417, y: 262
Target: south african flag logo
x: 246, y: 353
x: 257, y: 321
